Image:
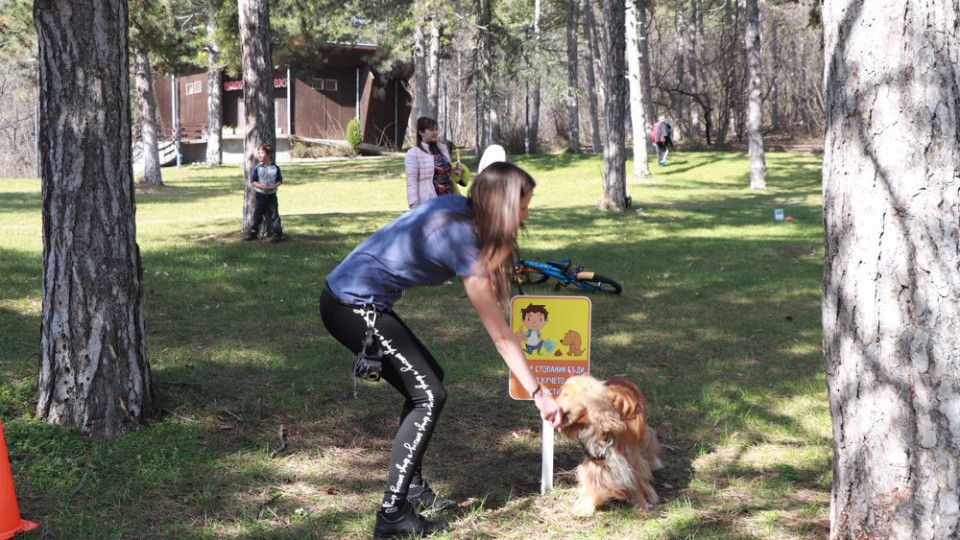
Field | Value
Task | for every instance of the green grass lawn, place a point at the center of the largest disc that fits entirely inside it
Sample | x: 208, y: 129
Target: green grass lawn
x: 718, y: 324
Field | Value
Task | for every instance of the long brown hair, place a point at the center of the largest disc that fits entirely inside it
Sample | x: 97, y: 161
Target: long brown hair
x: 495, y: 196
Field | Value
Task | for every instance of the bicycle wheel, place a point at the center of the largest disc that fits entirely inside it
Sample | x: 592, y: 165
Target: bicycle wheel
x: 600, y: 283
x: 531, y: 276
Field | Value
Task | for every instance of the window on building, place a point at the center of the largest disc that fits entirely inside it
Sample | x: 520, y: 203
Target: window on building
x: 331, y: 85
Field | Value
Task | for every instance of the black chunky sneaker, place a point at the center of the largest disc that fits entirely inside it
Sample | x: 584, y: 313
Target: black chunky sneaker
x: 422, y: 497
x: 405, y: 522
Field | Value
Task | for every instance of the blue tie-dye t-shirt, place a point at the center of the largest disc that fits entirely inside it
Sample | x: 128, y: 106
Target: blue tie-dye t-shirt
x: 428, y: 245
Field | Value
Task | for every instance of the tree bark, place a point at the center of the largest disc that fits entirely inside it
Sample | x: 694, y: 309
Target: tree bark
x: 774, y: 86
x: 534, y: 133
x: 693, y: 66
x: 891, y: 299
x: 421, y: 71
x: 590, y: 70
x: 261, y: 126
x: 758, y: 161
x: 614, y: 151
x: 643, y: 30
x: 433, y: 70
x: 94, y: 373
x: 148, y: 119
x: 573, y: 110
x: 641, y: 169
x: 214, y: 96
x: 679, y: 57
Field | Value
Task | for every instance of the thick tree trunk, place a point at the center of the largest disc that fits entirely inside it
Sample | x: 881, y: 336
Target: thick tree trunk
x: 589, y: 58
x: 261, y: 126
x: 94, y: 373
x: 641, y: 169
x: 148, y: 119
x: 758, y: 161
x: 214, y: 98
x: 891, y: 299
x: 615, y: 105
x: 573, y: 110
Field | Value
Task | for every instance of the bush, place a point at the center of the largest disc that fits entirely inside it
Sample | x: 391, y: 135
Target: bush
x: 354, y: 136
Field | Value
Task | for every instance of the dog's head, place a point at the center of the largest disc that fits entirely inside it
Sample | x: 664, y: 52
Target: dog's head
x: 569, y: 338
x: 587, y: 403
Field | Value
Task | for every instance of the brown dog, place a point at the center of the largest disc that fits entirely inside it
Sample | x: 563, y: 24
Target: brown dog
x: 573, y: 340
x: 610, y: 422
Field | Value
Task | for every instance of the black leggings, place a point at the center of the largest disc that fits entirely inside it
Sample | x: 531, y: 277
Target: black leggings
x: 410, y: 368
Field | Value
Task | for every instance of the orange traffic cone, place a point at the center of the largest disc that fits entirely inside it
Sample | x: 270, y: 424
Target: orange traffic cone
x: 10, y: 522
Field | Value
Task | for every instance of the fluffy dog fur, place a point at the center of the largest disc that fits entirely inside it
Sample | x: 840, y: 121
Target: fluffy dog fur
x: 621, y: 451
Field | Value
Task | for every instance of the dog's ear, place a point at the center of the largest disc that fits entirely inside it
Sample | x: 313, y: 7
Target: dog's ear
x: 605, y: 418
x: 626, y: 407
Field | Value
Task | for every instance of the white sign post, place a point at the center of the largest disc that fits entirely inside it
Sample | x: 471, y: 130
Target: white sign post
x: 546, y: 468
x: 554, y: 332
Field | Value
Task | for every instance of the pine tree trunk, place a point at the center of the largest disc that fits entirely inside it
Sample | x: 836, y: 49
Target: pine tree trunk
x: 643, y: 34
x: 433, y: 73
x: 573, y: 110
x: 641, y: 169
x: 615, y: 105
x: 679, y: 57
x: 148, y: 119
x: 260, y: 127
x: 589, y: 58
x: 758, y: 161
x: 421, y: 72
x: 94, y: 373
x: 774, y: 86
x: 891, y: 299
x: 214, y: 98
x: 535, y: 87
x: 693, y: 66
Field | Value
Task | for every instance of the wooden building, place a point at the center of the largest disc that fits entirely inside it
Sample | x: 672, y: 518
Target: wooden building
x: 313, y: 103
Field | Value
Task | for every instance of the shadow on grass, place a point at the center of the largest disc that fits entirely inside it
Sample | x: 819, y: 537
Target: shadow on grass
x: 714, y: 330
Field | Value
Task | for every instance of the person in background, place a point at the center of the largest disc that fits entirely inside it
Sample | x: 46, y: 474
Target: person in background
x: 662, y: 139
x: 492, y: 154
x: 265, y: 179
x: 427, y: 165
x: 472, y: 238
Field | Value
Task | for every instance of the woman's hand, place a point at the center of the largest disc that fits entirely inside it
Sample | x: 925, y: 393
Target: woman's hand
x: 549, y: 409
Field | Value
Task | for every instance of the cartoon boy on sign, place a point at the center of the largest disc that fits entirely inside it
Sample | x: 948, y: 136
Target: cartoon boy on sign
x: 534, y: 317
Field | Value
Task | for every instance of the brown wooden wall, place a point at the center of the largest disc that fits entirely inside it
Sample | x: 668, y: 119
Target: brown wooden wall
x: 324, y: 101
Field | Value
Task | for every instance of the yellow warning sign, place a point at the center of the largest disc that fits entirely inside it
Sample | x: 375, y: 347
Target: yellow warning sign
x: 554, y: 333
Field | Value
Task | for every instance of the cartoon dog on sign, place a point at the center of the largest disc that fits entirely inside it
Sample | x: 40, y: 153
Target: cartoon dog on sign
x: 573, y: 340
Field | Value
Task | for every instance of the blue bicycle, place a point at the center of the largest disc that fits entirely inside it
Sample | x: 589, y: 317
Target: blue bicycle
x: 533, y: 272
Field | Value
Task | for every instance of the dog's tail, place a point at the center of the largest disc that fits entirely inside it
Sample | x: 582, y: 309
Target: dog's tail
x: 651, y: 449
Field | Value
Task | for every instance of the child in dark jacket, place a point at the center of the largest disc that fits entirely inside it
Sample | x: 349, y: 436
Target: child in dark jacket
x: 265, y: 179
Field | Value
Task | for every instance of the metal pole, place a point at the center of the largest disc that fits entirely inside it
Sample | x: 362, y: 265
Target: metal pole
x: 526, y: 120
x: 396, y: 113
x: 178, y: 122
x: 446, y: 107
x: 476, y: 102
x: 36, y: 135
x: 289, y: 118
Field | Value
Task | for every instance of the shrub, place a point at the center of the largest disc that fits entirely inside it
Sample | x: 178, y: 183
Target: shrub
x: 354, y: 136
